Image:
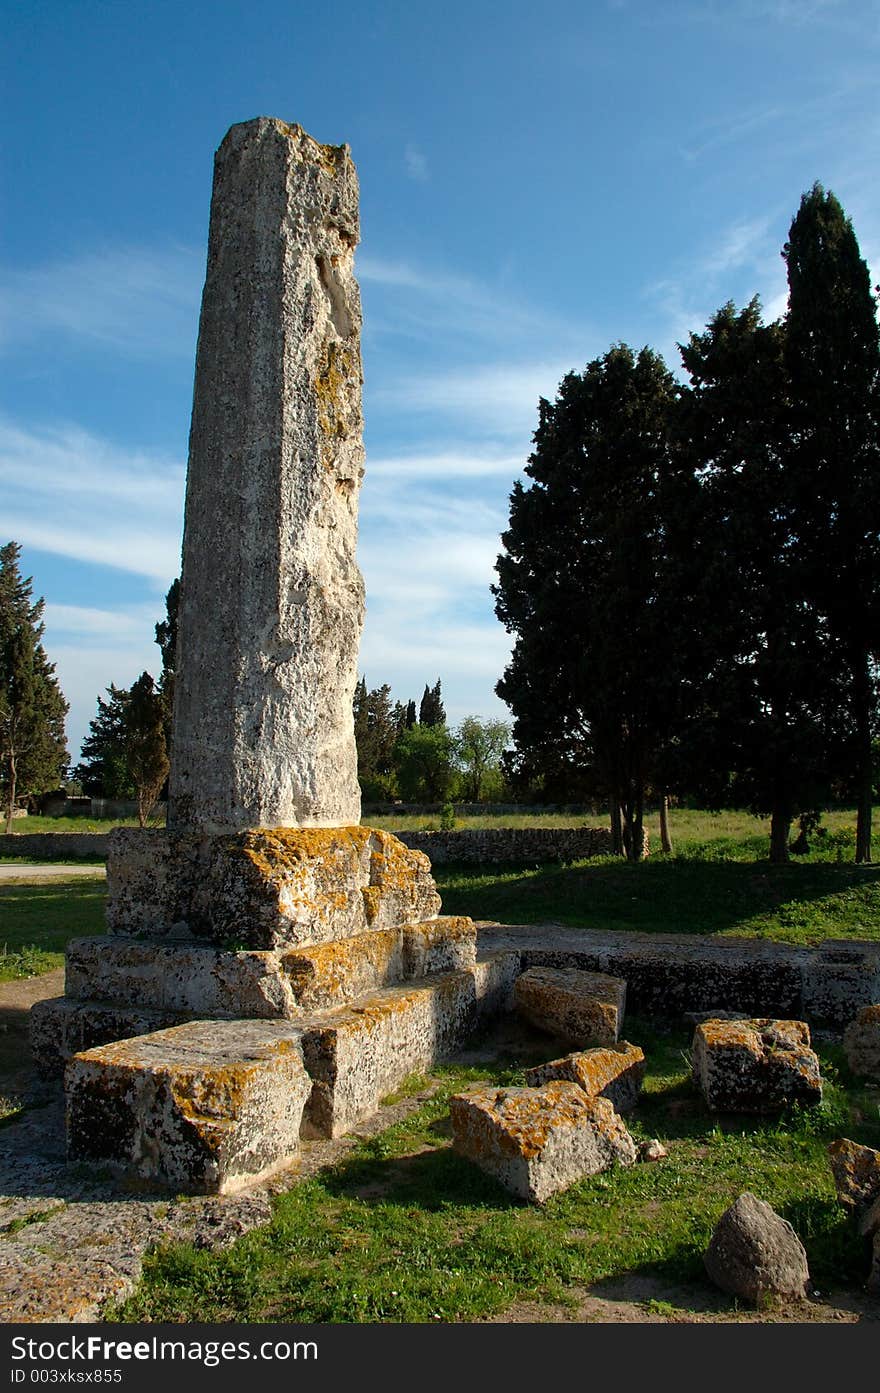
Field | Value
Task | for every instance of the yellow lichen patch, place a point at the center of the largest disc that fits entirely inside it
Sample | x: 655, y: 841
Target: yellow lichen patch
x: 371, y: 897
x: 339, y: 367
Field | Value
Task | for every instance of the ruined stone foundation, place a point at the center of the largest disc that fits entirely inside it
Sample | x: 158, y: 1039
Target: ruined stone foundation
x: 254, y: 988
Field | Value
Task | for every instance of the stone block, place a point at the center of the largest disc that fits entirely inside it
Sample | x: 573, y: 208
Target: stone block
x: 266, y: 889
x: 330, y: 974
x: 495, y: 977
x: 861, y: 1043
x: 839, y: 978
x: 538, y: 1141
x: 758, y: 1065
x: 206, y: 1107
x: 856, y: 1171
x: 444, y: 944
x: 614, y: 1072
x: 582, y: 1008
x: 60, y: 1027
x: 192, y: 978
x: 357, y: 1054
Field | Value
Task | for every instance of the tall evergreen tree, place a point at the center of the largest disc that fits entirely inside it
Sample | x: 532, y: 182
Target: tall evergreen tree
x: 592, y: 678
x: 146, y: 750
x: 103, y: 769
x: 763, y: 671
x: 32, y: 707
x: 431, y: 710
x: 833, y: 360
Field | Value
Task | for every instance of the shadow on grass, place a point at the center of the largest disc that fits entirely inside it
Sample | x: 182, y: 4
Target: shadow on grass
x: 675, y: 896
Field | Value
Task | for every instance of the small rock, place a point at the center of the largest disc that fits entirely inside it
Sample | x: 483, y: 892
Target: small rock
x: 861, y: 1042
x: 754, y: 1252
x: 652, y: 1150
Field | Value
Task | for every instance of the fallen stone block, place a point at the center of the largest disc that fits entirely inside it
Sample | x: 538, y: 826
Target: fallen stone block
x: 60, y: 1027
x: 582, y: 1008
x: 207, y: 1107
x: 856, y: 1171
x: 754, y: 1252
x: 357, y: 1054
x: 538, y: 1141
x: 614, y: 1072
x: 265, y: 889
x: 861, y: 1043
x: 757, y: 1065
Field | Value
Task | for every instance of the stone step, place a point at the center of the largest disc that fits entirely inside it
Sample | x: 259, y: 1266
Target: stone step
x: 208, y: 1106
x: 60, y: 1027
x: 358, y: 1054
x: 197, y: 979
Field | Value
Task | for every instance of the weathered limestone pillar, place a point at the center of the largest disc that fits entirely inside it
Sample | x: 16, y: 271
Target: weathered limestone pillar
x: 271, y: 597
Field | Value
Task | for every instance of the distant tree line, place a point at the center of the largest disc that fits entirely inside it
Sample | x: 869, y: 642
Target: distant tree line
x: 417, y: 757
x: 693, y: 574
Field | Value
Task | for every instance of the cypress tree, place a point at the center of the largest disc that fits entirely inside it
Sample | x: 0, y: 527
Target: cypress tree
x: 833, y: 359
x: 32, y: 707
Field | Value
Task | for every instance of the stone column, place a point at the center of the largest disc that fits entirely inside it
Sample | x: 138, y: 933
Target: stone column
x: 271, y: 597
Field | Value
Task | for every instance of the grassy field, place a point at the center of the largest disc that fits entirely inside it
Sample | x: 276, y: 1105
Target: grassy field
x: 37, y: 920
x: 404, y: 1230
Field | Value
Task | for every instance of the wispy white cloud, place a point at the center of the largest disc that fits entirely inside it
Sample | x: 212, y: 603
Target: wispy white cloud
x: 473, y: 463
x: 141, y: 301
x: 416, y: 163
x: 437, y: 305
x: 500, y: 399
x: 72, y: 493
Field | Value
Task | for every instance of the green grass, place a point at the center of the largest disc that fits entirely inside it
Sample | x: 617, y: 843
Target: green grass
x: 71, y: 824
x: 804, y: 902
x: 404, y: 1230
x: 37, y: 920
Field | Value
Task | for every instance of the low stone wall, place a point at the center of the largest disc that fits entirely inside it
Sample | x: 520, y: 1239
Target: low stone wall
x: 56, y: 846
x: 519, y: 846
x: 671, y: 974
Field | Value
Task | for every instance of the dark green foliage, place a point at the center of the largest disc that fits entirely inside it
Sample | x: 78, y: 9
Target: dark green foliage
x: 423, y: 760
x: 765, y: 673
x: 146, y: 749
x: 377, y: 725
x: 479, y: 746
x: 103, y: 770
x: 32, y: 708
x: 833, y: 361
x: 431, y: 709
x: 592, y: 681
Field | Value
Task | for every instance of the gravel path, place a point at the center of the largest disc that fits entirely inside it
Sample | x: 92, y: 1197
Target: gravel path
x: 29, y: 874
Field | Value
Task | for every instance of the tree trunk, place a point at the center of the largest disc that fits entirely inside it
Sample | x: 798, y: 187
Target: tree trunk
x: 616, y: 827
x: 11, y: 805
x: 780, y: 829
x: 665, y: 837
x: 864, y: 761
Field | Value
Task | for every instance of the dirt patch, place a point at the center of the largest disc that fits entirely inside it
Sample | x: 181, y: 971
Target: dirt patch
x: 17, y: 1080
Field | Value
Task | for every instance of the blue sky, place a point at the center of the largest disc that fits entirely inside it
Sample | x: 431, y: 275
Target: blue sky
x: 536, y: 183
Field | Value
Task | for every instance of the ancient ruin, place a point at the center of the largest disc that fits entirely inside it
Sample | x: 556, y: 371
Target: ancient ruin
x: 264, y: 938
